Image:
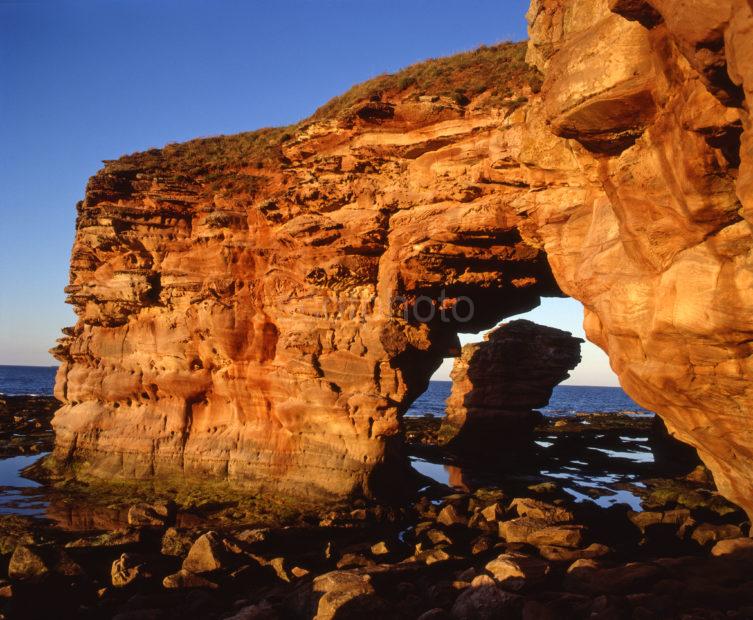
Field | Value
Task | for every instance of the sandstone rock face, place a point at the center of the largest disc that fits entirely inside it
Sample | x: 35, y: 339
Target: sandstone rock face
x: 251, y: 307
x: 498, y: 382
x: 644, y: 203
x: 263, y: 308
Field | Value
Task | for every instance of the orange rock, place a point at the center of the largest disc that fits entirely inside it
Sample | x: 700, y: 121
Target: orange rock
x: 264, y: 307
x: 645, y: 205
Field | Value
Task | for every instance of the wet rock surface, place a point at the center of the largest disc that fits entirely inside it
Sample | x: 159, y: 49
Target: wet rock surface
x: 522, y: 548
x: 25, y: 424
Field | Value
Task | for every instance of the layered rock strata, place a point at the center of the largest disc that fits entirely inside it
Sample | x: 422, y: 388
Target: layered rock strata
x: 263, y: 308
x: 643, y: 204
x: 247, y: 304
x: 497, y: 383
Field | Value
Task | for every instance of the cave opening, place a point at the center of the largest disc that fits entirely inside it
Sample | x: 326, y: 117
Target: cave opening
x: 590, y: 439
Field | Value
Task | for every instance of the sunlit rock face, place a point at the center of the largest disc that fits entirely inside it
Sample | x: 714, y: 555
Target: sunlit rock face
x: 257, y: 308
x: 650, y: 101
x: 263, y: 308
x: 497, y: 384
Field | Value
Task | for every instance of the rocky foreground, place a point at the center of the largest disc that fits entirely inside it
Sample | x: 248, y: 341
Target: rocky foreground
x: 517, y: 550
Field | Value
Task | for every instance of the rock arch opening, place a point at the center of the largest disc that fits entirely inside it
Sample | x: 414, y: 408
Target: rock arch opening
x: 592, y: 441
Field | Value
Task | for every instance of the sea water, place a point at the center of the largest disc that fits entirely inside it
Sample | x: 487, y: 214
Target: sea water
x: 566, y: 400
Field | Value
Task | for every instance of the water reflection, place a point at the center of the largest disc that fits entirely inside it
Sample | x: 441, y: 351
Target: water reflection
x: 19, y: 495
x: 602, y: 466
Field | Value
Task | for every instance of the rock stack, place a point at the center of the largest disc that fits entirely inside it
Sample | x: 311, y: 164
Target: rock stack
x: 499, y: 382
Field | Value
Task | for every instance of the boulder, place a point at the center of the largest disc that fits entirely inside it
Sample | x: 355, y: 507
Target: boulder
x: 497, y: 383
x: 537, y: 509
x: 493, y: 512
x: 486, y: 602
x: 515, y: 571
x: 151, y: 515
x: 28, y: 563
x: 557, y: 535
x: 646, y: 519
x: 588, y: 576
x: 565, y: 554
x: 438, y: 537
x: 127, y: 569
x: 36, y: 562
x: 344, y: 595
x: 352, y: 560
x: 707, y: 533
x: 740, y: 548
x: 380, y: 548
x: 544, y: 488
x: 176, y: 542
x: 260, y: 611
x: 537, y: 532
x: 208, y: 553
x: 127, y: 537
x: 6, y: 589
x: 184, y: 579
x: 450, y: 515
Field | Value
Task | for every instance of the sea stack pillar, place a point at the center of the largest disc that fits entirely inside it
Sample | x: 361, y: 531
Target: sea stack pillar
x: 498, y: 383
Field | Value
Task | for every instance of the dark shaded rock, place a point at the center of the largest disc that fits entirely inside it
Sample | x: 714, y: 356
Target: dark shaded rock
x: 565, y: 554
x: 707, y: 533
x: 484, y: 603
x: 175, y: 542
x: 591, y: 577
x: 154, y: 515
x: 36, y: 562
x: 498, y: 383
x: 184, y: 579
x: 118, y: 538
x: 28, y: 563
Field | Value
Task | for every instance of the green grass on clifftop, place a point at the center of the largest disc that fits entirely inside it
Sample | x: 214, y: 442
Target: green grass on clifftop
x: 498, y: 69
x: 488, y: 76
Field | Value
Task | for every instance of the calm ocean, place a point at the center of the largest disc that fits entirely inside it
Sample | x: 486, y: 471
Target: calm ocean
x: 37, y: 380
x: 566, y: 400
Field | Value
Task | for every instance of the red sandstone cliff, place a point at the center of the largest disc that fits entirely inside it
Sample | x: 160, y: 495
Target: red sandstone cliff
x: 242, y: 300
x: 651, y: 102
x: 255, y: 307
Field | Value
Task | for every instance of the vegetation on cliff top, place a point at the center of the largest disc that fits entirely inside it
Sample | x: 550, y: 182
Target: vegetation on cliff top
x: 488, y: 76
x: 499, y: 70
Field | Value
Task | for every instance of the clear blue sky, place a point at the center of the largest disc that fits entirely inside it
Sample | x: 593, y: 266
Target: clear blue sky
x: 82, y: 81
x: 565, y: 314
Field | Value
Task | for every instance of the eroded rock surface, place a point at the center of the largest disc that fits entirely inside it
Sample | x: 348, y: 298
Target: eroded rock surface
x: 247, y: 304
x: 497, y: 383
x: 264, y: 307
x: 644, y: 204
